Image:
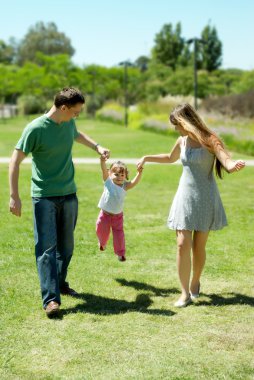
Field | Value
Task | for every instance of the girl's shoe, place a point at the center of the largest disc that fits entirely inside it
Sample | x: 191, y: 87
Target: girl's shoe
x: 195, y: 295
x: 121, y: 258
x: 181, y: 303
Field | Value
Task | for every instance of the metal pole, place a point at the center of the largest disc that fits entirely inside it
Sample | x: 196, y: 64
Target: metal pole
x: 125, y: 95
x: 93, y: 92
x: 195, y: 75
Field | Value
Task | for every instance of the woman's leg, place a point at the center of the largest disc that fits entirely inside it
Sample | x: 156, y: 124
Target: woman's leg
x: 199, y: 257
x: 184, y: 243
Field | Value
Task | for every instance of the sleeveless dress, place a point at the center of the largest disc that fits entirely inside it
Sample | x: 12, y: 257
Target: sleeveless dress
x: 197, y: 204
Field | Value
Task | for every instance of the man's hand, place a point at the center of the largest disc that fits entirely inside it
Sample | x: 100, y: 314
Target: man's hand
x: 15, y: 206
x: 104, y: 152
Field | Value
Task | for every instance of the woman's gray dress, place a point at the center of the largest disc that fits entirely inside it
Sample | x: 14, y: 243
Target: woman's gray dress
x: 197, y: 204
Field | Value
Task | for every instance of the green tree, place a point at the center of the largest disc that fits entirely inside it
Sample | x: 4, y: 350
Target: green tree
x: 6, y: 53
x: 168, y: 45
x: 211, y: 50
x: 142, y: 62
x: 45, y: 39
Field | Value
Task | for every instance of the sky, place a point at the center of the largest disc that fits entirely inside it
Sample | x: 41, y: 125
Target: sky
x: 106, y: 32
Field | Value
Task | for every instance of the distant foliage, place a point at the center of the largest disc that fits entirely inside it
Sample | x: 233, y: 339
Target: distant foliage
x: 232, y: 105
x: 45, y: 39
x: 169, y: 45
x: 211, y: 49
x: 29, y: 105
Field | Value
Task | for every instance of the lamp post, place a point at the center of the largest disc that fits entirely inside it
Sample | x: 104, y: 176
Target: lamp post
x: 93, y: 72
x: 125, y: 64
x: 195, y: 41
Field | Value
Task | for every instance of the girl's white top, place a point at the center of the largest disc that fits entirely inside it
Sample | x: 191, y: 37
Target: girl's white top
x: 112, y: 198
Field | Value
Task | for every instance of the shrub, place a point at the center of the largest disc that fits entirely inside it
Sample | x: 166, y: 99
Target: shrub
x: 241, y: 146
x: 232, y: 105
x: 93, y: 103
x: 30, y: 105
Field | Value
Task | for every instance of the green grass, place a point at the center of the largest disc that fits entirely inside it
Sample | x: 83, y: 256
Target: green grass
x: 124, y: 326
x: 123, y: 142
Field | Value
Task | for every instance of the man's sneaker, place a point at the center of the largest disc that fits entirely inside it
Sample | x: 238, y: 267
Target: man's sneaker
x: 67, y: 291
x: 52, y: 309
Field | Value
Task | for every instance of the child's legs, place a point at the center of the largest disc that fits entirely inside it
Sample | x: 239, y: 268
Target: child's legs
x: 199, y: 257
x: 103, y: 228
x: 184, y: 243
x: 118, y: 235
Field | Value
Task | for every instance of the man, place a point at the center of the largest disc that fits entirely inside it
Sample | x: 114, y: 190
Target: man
x: 49, y: 139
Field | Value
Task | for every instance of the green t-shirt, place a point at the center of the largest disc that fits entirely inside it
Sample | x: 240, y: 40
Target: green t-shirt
x: 51, y: 147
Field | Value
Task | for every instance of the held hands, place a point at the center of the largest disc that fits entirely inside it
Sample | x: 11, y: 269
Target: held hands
x: 234, y: 166
x: 141, y: 163
x: 15, y: 206
x: 104, y: 153
x: 140, y: 169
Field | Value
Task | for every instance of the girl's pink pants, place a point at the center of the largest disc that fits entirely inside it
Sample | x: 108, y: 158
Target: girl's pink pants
x: 104, y: 223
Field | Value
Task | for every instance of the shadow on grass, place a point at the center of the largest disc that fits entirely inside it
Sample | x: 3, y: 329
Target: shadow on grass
x: 214, y: 299
x: 159, y: 292
x: 109, y: 306
x: 232, y: 299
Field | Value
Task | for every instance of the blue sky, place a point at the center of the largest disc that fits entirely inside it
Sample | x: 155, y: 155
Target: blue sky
x: 108, y: 31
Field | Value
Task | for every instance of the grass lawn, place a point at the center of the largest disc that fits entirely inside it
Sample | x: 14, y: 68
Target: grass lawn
x: 124, y: 325
x: 123, y: 142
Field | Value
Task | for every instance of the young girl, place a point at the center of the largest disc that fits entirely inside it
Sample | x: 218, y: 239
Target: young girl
x: 197, y: 207
x: 111, y: 204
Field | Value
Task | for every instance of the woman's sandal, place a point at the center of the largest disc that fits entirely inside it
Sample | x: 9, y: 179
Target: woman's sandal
x: 181, y: 303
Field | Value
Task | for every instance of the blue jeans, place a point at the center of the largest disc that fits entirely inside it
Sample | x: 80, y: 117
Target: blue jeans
x: 54, y: 223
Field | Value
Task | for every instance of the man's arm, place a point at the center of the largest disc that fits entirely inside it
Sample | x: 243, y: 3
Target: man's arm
x: 15, y: 202
x: 86, y: 140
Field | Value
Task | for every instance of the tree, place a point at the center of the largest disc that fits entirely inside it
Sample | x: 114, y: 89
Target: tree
x: 168, y: 45
x: 142, y: 62
x: 6, y: 53
x: 211, y: 51
x: 45, y: 39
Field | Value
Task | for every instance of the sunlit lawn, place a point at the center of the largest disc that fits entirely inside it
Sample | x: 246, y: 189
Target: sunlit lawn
x: 119, y: 139
x: 124, y: 325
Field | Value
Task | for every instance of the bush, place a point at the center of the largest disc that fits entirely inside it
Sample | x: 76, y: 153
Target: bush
x: 241, y: 146
x: 93, y: 103
x: 232, y: 105
x: 30, y: 105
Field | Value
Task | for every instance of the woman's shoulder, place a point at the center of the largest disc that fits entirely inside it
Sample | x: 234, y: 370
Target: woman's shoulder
x: 181, y: 141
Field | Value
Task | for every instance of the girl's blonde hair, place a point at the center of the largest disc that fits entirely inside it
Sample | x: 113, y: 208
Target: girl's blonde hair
x: 186, y: 116
x: 119, y: 167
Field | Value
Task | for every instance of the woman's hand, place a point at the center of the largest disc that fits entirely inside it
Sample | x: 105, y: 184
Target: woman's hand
x: 235, y: 166
x: 141, y: 163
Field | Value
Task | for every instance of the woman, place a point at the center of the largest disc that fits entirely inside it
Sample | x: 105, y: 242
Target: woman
x: 197, y: 207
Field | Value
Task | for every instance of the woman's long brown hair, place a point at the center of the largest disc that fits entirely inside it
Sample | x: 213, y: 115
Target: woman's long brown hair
x: 186, y: 116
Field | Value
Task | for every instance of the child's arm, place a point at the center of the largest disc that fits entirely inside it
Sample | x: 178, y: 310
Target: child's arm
x: 135, y: 180
x: 167, y: 158
x: 104, y: 168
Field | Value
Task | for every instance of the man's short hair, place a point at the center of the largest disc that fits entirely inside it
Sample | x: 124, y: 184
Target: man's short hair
x: 69, y: 97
